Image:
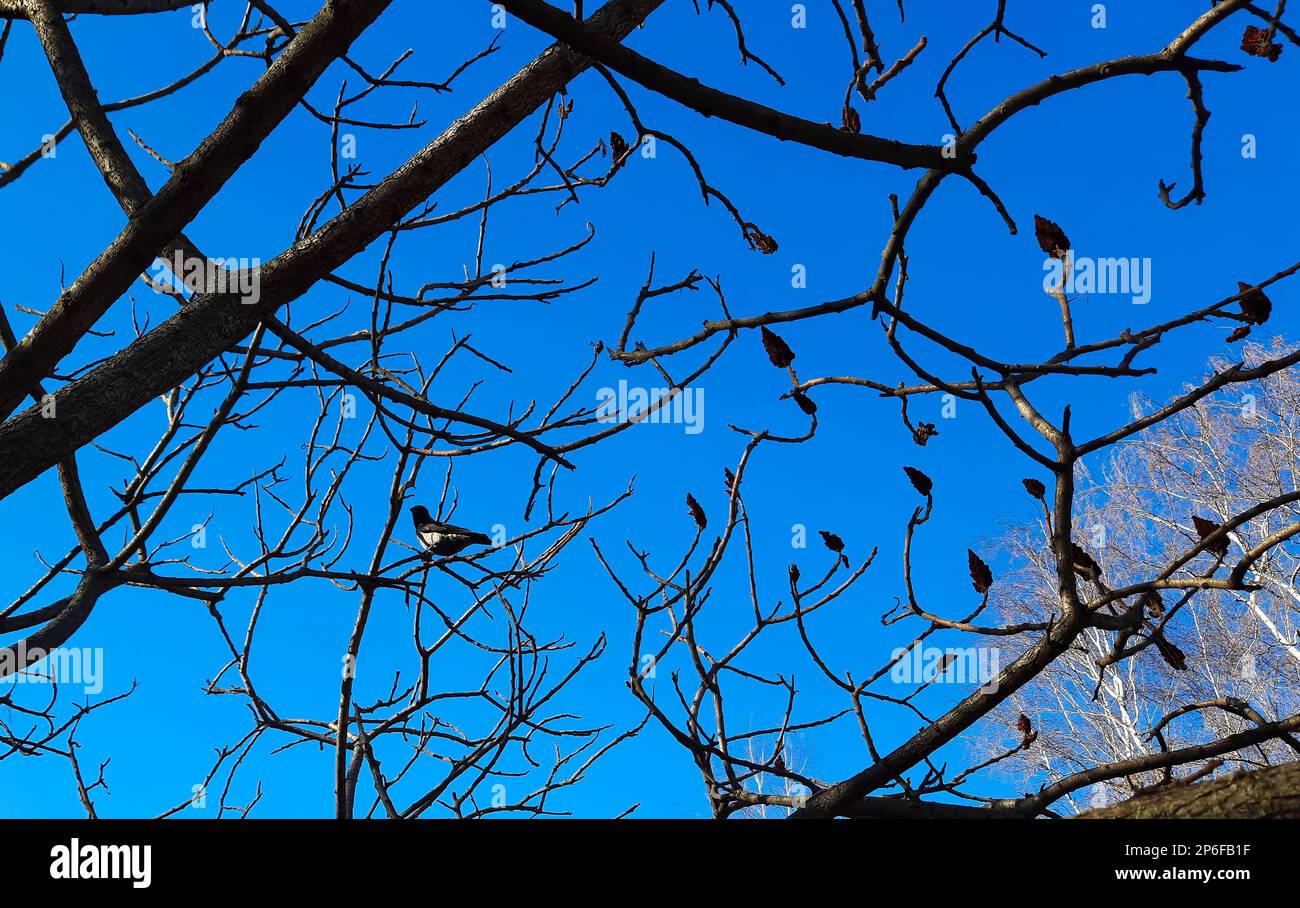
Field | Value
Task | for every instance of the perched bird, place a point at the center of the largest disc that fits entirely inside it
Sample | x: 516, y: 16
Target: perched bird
x: 443, y: 538
x: 1083, y: 563
x: 1256, y: 307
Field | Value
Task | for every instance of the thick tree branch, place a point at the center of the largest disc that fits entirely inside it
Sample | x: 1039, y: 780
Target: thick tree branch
x: 714, y: 103
x: 195, y: 181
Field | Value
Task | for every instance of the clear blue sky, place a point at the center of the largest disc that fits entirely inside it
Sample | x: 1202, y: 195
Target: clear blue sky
x: 1090, y: 161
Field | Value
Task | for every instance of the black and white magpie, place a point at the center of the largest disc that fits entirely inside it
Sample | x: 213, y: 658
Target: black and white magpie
x: 443, y: 538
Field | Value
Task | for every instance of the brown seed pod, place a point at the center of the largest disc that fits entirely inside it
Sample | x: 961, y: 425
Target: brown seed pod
x: 1258, y: 43
x: 920, y: 481
x: 980, y: 575
x: 1204, y: 529
x: 778, y: 351
x: 696, y: 512
x: 1051, y: 238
